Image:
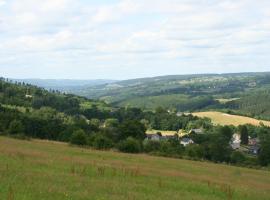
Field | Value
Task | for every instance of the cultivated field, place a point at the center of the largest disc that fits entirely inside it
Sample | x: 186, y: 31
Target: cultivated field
x: 31, y: 170
x: 226, y: 119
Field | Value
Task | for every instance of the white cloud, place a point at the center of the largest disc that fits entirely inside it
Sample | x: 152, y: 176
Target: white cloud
x: 129, y: 33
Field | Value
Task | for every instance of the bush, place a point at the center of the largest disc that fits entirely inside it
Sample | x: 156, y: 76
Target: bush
x: 78, y: 137
x: 237, y: 157
x: 102, y: 142
x: 194, y: 151
x: 130, y: 145
x: 151, y: 146
x: 171, y: 148
x: 16, y: 127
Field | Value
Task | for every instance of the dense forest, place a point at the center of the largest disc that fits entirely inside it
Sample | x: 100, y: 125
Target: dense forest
x: 28, y: 111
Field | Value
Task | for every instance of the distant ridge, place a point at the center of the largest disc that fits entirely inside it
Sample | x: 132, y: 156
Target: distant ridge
x: 65, y: 85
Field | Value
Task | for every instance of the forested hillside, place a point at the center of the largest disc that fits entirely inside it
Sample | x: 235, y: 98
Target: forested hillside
x: 244, y: 93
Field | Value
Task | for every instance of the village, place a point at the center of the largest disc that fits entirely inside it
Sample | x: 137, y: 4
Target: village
x: 252, y: 148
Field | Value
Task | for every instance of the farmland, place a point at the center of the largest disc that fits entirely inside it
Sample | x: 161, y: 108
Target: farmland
x: 38, y: 169
x: 227, y: 119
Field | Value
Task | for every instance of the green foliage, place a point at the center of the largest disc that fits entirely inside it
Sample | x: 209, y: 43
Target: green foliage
x: 264, y: 154
x: 16, y: 127
x: 79, y: 137
x: 102, y: 142
x: 244, y: 134
x: 132, y: 128
x: 150, y: 146
x: 130, y: 145
x: 237, y: 157
x: 218, y: 148
x: 195, y: 151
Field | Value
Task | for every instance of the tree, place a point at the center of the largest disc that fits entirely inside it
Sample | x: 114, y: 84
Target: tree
x: 102, y: 142
x: 244, y: 134
x: 16, y: 127
x: 130, y: 145
x: 237, y: 157
x: 151, y: 146
x: 264, y: 153
x: 226, y: 131
x: 219, y: 149
x: 78, y: 137
x: 132, y: 128
x: 194, y: 151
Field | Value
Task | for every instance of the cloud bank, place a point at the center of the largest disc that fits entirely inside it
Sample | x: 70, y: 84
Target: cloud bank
x: 126, y: 38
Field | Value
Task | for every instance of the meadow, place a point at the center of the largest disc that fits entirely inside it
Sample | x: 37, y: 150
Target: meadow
x: 36, y: 169
x: 227, y: 119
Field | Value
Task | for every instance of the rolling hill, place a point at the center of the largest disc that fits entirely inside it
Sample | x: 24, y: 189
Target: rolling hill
x: 64, y: 85
x: 238, y: 92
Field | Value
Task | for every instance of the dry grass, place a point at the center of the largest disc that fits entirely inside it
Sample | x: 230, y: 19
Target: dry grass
x: 37, y: 169
x: 226, y: 119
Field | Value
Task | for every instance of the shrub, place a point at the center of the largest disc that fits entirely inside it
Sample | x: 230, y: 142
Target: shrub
x: 194, y: 151
x: 151, y: 146
x: 78, y: 137
x: 16, y: 127
x: 102, y: 142
x: 237, y: 157
x: 130, y: 145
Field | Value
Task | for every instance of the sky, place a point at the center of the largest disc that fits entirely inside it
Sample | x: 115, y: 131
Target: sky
x: 123, y: 39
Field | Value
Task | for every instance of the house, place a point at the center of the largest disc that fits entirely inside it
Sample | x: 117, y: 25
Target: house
x: 28, y: 96
x: 253, y: 141
x: 186, y: 141
x: 254, y: 150
x: 196, y: 131
x: 235, y: 141
x: 154, y: 137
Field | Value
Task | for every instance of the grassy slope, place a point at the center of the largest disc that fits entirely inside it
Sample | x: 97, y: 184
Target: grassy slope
x: 47, y: 170
x: 226, y: 119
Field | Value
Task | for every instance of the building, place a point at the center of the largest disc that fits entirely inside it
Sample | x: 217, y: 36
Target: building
x: 235, y: 141
x: 254, y: 150
x: 253, y: 141
x: 154, y: 137
x: 196, y: 131
x: 186, y: 141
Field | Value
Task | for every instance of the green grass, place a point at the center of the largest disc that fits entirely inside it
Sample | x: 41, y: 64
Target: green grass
x: 31, y: 170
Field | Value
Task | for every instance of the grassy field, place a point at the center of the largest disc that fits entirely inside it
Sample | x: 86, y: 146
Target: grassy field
x: 31, y: 170
x: 226, y: 119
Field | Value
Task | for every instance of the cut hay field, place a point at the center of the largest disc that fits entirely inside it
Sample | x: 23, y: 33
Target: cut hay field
x: 31, y: 170
x: 226, y: 119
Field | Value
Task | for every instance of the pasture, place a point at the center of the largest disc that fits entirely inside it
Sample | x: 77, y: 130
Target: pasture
x: 219, y: 118
x: 36, y: 169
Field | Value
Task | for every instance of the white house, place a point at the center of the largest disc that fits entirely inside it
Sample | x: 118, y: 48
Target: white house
x: 235, y: 141
x: 186, y: 141
x: 196, y: 131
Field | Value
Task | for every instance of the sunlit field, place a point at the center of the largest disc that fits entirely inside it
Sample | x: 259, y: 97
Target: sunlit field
x: 227, y: 119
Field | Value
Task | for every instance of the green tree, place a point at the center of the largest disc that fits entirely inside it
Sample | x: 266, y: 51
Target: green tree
x: 102, y: 142
x: 132, y: 128
x: 78, y: 137
x: 219, y: 149
x: 237, y: 157
x: 264, y: 153
x: 151, y: 146
x: 130, y: 145
x: 244, y: 134
x: 16, y: 127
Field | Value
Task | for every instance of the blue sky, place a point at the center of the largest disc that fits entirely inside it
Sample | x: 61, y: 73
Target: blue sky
x: 121, y: 39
